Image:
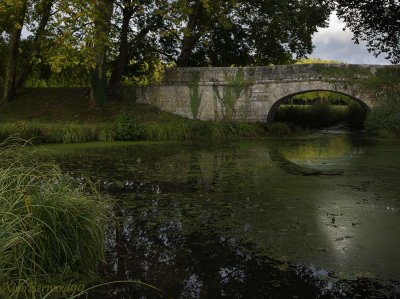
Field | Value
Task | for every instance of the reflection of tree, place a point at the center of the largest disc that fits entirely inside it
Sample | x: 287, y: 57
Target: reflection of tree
x: 202, y: 263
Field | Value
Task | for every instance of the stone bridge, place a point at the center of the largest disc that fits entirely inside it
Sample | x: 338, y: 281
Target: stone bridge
x: 254, y: 93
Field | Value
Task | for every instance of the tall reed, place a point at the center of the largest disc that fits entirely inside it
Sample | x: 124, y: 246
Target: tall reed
x: 126, y: 128
x: 50, y: 225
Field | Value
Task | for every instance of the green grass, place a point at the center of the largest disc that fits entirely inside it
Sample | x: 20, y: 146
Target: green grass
x: 71, y: 105
x: 50, y: 226
x: 41, y: 132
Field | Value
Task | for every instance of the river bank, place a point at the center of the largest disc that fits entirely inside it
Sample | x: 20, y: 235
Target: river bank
x: 63, y: 116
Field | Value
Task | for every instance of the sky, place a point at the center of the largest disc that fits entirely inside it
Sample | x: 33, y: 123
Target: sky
x: 334, y: 43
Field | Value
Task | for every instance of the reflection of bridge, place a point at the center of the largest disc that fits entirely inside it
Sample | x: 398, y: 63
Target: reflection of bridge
x: 297, y: 169
x: 253, y: 94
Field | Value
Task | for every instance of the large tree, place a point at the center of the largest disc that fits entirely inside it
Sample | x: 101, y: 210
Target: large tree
x: 136, y: 21
x: 41, y: 16
x: 246, y: 32
x: 21, y: 53
x: 17, y: 10
x: 102, y: 26
x: 193, y: 20
x: 377, y: 22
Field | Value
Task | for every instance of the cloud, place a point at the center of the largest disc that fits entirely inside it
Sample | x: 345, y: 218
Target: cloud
x: 334, y: 43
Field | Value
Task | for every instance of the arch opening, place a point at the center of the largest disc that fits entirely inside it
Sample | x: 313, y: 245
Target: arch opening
x: 317, y: 109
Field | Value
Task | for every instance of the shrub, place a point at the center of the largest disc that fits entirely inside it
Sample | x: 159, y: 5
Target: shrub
x: 127, y: 128
x: 278, y: 129
x: 385, y: 118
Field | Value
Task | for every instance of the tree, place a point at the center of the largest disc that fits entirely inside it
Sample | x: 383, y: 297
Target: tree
x: 43, y: 14
x: 139, y: 19
x: 128, y: 8
x: 377, y: 22
x: 102, y: 25
x: 194, y: 19
x: 33, y: 15
x: 18, y: 8
x: 247, y: 32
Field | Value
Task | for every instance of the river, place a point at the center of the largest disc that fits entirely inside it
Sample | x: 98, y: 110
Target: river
x: 249, y: 219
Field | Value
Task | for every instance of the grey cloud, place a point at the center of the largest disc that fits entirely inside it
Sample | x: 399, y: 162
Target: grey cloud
x: 334, y: 43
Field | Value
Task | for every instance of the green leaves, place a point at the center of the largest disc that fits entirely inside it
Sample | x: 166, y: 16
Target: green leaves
x: 375, y: 22
x: 134, y: 39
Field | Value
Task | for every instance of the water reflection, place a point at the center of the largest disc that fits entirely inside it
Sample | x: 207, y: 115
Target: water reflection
x: 229, y: 220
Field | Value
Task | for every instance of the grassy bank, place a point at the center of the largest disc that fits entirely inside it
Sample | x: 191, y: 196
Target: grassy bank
x: 51, y: 229
x: 64, y: 116
x: 129, y: 128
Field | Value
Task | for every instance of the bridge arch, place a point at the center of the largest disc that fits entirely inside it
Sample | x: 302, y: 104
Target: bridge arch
x: 273, y: 109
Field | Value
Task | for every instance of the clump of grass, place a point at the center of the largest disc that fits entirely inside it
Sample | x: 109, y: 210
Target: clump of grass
x: 39, y: 132
x: 49, y: 224
x: 79, y: 133
x: 107, y: 134
x: 278, y: 129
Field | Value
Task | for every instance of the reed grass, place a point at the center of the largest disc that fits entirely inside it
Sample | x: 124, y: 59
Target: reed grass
x: 50, y: 225
x: 191, y: 130
x: 39, y: 132
x: 131, y: 129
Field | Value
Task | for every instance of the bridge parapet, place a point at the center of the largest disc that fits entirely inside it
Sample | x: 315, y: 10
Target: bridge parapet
x: 207, y: 75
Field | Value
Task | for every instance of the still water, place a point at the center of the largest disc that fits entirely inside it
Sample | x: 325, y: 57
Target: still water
x: 249, y: 219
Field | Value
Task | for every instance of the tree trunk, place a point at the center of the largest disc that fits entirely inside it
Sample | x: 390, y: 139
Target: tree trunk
x: 190, y: 38
x: 45, y: 12
x: 122, y: 59
x: 12, y: 56
x: 99, y: 97
x: 188, y: 44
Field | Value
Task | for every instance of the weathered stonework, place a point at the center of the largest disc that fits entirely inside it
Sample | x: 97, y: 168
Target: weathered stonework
x: 253, y: 94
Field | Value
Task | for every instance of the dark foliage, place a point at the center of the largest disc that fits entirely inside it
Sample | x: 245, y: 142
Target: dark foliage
x: 376, y: 22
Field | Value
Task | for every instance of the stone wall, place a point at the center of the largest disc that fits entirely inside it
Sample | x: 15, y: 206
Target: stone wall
x: 252, y: 94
